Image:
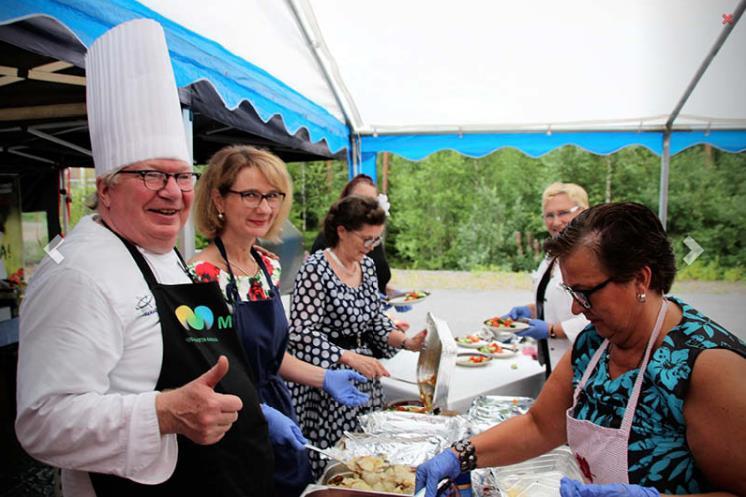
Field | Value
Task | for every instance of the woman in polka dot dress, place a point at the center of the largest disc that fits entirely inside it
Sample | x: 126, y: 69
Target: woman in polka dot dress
x: 336, y: 320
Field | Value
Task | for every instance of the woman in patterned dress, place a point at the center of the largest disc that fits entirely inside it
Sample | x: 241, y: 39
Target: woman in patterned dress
x: 652, y: 399
x: 245, y: 194
x: 336, y: 318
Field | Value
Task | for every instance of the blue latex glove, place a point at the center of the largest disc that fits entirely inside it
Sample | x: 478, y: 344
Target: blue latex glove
x: 573, y: 488
x: 339, y: 384
x: 430, y: 473
x: 521, y: 311
x: 537, y: 329
x: 282, y: 429
x: 384, y: 301
x: 399, y: 308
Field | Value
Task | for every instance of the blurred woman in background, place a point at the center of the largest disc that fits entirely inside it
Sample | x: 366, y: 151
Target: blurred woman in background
x: 551, y: 320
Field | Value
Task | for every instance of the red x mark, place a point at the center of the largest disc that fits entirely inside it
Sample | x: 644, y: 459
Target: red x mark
x: 728, y: 18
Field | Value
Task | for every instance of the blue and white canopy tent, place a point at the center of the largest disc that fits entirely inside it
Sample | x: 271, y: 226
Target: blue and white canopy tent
x: 322, y: 77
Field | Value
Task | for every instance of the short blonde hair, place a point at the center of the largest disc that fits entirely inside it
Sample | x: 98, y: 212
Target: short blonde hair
x: 220, y: 175
x: 576, y: 193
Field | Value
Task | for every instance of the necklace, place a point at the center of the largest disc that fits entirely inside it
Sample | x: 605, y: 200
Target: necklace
x: 242, y: 269
x: 348, y: 272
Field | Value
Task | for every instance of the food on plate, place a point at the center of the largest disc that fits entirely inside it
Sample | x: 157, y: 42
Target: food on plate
x: 491, y: 348
x: 374, y: 473
x: 414, y: 295
x: 478, y: 359
x: 500, y: 322
x: 470, y: 339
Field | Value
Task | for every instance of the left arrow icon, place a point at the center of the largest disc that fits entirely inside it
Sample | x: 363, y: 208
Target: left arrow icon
x: 51, y: 249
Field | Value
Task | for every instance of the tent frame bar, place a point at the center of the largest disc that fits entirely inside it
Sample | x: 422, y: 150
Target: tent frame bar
x: 312, y: 34
x: 666, y: 156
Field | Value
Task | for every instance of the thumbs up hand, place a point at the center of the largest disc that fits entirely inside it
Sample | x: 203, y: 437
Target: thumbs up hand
x: 196, y: 411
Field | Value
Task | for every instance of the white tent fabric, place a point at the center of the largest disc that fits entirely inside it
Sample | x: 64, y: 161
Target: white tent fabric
x: 479, y: 65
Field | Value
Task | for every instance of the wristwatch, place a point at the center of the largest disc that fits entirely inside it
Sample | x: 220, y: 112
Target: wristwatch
x: 467, y: 455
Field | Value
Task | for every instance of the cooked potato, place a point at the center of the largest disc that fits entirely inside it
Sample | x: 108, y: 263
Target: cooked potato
x: 374, y: 473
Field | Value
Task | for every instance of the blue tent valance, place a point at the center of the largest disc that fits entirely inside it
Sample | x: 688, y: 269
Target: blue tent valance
x: 417, y: 147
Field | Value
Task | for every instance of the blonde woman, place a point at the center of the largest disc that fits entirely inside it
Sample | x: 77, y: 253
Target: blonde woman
x: 246, y: 194
x: 556, y: 325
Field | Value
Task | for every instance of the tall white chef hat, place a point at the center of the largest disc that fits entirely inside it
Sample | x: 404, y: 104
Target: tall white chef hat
x: 133, y: 105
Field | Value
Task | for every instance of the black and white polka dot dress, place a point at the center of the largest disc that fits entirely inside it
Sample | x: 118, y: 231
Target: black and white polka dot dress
x: 328, y: 317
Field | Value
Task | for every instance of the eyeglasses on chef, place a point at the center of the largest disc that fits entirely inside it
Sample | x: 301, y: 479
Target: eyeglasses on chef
x: 253, y: 198
x: 583, y: 297
x: 157, y: 180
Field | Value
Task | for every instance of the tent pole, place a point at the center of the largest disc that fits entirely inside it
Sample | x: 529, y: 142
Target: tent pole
x: 663, y: 194
x: 186, y: 241
x: 304, y: 16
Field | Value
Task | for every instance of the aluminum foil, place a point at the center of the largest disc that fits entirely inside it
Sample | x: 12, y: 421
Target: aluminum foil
x: 452, y: 428
x: 483, y: 483
x: 538, y: 476
x: 489, y: 410
x: 408, y: 449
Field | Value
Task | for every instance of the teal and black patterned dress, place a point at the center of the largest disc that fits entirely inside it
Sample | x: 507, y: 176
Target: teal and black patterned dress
x: 658, y: 454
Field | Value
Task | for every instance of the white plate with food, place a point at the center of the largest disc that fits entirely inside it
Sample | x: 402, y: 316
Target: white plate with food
x: 473, y: 341
x: 408, y: 298
x: 472, y: 359
x: 504, y: 324
x: 498, y: 350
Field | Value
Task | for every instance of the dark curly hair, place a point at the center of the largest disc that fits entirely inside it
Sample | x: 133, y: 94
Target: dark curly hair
x: 625, y: 236
x: 352, y: 213
x: 360, y: 178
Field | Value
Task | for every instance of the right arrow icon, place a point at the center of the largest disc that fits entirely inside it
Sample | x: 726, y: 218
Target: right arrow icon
x: 695, y: 250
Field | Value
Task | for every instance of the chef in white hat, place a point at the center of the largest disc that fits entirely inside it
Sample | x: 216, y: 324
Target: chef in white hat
x: 130, y: 377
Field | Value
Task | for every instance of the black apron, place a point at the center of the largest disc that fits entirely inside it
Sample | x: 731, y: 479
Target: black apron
x: 241, y: 463
x: 541, y: 290
x: 263, y: 329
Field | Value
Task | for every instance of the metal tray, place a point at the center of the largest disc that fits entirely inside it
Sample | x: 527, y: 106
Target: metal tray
x: 436, y: 363
x: 326, y: 491
x: 336, y: 469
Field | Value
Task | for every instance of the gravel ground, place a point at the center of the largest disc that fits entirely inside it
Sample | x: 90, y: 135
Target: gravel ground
x: 463, y: 299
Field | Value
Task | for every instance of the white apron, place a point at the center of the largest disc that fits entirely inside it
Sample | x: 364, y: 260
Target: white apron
x: 600, y: 451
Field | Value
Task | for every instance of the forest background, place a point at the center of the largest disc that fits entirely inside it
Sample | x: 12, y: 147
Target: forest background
x: 452, y: 212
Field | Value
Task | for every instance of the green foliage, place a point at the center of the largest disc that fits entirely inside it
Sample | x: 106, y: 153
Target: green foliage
x: 316, y: 185
x: 454, y: 212
x: 80, y: 197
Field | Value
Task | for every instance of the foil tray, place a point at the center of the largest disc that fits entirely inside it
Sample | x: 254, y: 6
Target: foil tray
x: 327, y: 491
x: 488, y: 410
x: 336, y: 469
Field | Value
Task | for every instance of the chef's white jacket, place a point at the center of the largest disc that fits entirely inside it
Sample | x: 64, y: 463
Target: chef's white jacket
x: 89, y: 359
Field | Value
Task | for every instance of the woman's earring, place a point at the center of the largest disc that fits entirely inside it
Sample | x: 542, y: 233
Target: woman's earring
x: 221, y: 216
x: 641, y: 297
